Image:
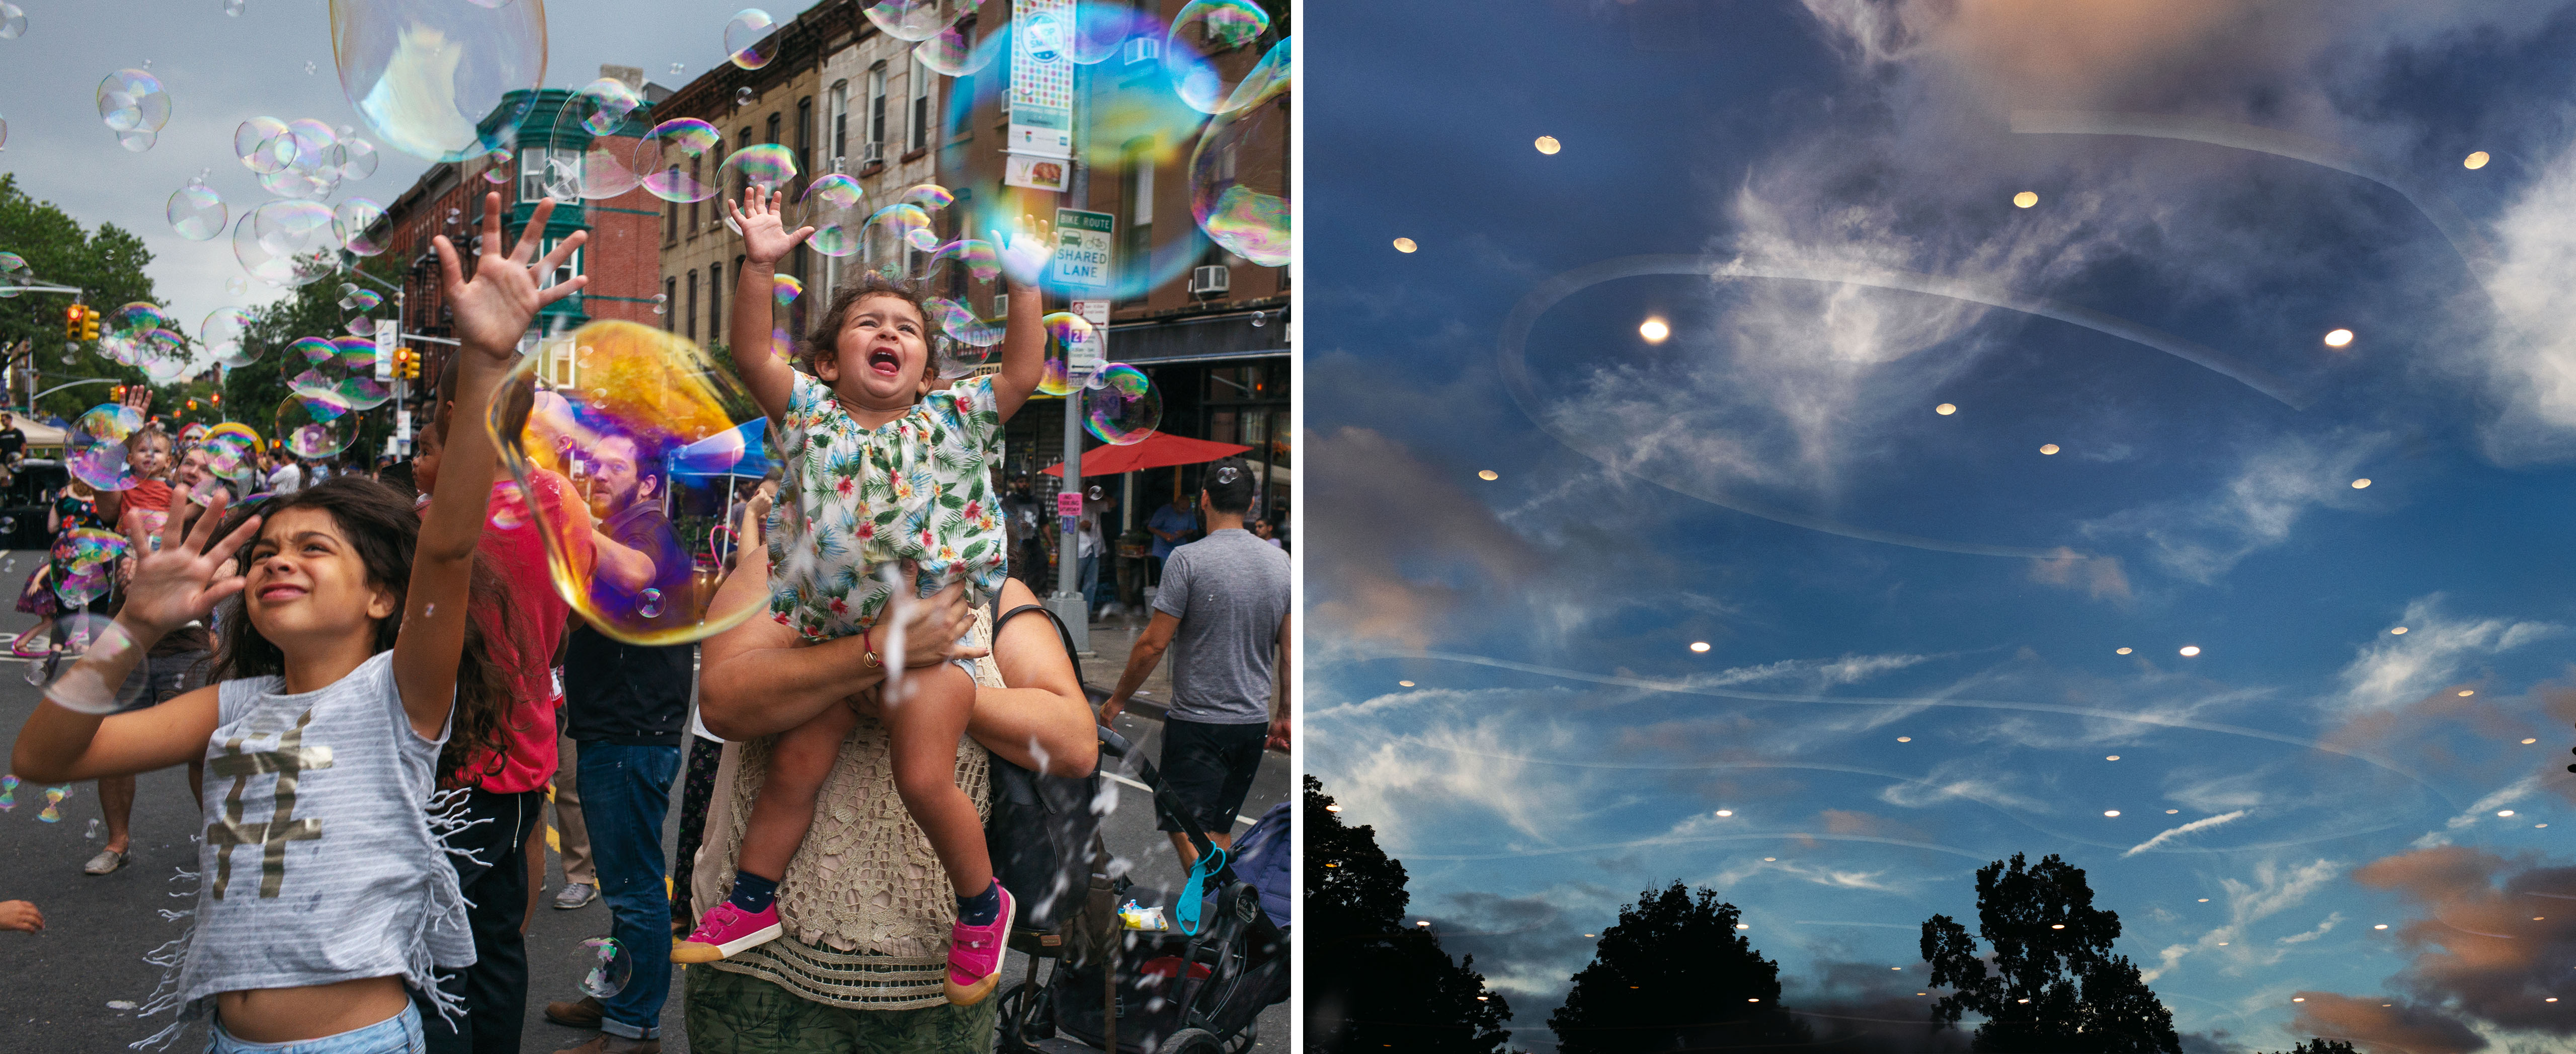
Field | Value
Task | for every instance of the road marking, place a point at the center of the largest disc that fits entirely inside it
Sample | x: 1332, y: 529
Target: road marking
x: 1239, y: 818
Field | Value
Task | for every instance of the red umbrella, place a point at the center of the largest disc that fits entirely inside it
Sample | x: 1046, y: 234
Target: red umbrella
x: 1158, y: 450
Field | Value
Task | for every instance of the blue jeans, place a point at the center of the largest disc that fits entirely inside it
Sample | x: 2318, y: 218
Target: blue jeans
x: 1086, y: 577
x: 399, y: 1034
x: 625, y: 791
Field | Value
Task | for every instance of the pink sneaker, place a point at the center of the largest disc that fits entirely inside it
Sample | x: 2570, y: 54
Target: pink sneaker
x: 725, y: 931
x: 975, y: 954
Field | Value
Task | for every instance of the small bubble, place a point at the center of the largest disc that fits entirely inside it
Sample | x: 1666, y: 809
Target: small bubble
x: 742, y: 96
x: 427, y: 610
x: 233, y: 7
x: 95, y: 829
x: 676, y: 68
x: 649, y: 604
x: 605, y: 967
x: 1260, y: 319
x: 309, y: 68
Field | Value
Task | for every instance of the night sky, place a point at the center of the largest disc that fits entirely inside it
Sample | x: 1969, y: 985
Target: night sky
x: 1928, y: 635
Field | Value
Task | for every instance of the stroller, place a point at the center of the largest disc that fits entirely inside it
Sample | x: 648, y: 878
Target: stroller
x: 1095, y: 986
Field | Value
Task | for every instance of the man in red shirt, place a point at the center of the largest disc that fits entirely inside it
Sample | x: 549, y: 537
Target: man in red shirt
x: 509, y: 792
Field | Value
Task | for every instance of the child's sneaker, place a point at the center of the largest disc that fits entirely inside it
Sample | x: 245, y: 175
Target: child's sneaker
x: 975, y: 954
x: 726, y: 931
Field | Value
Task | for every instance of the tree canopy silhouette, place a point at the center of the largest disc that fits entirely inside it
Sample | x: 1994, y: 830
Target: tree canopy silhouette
x: 1387, y: 984
x: 1674, y: 974
x: 2323, y: 1046
x: 2056, y: 987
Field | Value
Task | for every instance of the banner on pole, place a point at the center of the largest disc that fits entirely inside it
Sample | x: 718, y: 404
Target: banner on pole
x: 1041, y: 79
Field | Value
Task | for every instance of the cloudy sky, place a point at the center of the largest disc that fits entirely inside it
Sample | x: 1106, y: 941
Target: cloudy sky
x: 273, y: 59
x: 2128, y: 601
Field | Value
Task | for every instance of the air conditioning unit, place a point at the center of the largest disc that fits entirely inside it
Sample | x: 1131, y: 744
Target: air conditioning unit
x: 1001, y: 305
x: 1208, y: 281
x: 871, y: 153
x: 1143, y: 49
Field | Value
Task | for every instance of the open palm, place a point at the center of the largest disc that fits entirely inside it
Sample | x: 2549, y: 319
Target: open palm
x: 765, y: 238
x: 494, y: 309
x: 180, y: 582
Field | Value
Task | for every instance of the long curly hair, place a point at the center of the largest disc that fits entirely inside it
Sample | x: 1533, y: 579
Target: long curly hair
x: 384, y: 531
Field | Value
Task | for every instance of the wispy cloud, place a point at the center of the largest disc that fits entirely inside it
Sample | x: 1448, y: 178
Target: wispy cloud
x: 2434, y: 652
x: 2173, y: 833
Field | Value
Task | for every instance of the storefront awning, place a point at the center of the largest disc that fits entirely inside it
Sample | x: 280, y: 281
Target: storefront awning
x: 1158, y: 450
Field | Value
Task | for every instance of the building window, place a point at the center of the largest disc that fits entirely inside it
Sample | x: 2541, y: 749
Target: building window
x: 1139, y: 207
x: 876, y: 109
x: 920, y: 83
x: 670, y: 222
x: 715, y: 303
x: 805, y: 134
x: 693, y: 305
x: 670, y: 310
x: 840, y: 124
x: 743, y: 142
x: 693, y: 181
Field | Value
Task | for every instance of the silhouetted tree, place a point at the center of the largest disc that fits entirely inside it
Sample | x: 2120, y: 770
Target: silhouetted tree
x: 2323, y: 1046
x: 1674, y: 974
x: 1373, y: 982
x: 2056, y: 988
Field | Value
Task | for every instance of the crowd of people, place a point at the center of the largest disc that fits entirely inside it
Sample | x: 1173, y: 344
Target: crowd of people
x: 378, y: 692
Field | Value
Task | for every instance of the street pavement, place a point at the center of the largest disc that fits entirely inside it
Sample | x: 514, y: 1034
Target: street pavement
x: 68, y: 989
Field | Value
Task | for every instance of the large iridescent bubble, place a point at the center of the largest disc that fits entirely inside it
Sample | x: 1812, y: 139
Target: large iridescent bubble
x: 768, y: 166
x: 14, y: 272
x: 220, y: 337
x: 913, y: 19
x: 86, y: 560
x: 751, y: 39
x: 1211, y: 49
x: 670, y: 157
x: 287, y: 243
x: 263, y: 145
x: 429, y: 75
x: 229, y: 447
x: 354, y: 221
x: 1121, y: 406
x: 1239, y: 174
x: 601, y: 108
x: 953, y: 52
x: 315, y: 425
x: 836, y: 207
x: 647, y: 399
x: 95, y: 447
x: 1102, y: 30
x: 959, y: 323
x: 1063, y: 329
x: 135, y: 106
x: 196, y: 212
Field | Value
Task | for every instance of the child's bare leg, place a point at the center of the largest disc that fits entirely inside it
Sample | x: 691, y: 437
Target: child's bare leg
x: 923, y: 725
x: 798, y: 765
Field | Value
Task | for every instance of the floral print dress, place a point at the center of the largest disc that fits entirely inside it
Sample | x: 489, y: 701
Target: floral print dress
x: 854, y: 500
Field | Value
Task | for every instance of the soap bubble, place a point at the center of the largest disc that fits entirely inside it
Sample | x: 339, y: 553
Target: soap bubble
x: 4, y: 131
x: 976, y: 256
x: 912, y: 19
x: 786, y: 288
x: 353, y: 298
x: 930, y: 196
x: 602, y: 108
x: 889, y: 236
x: 93, y: 832
x: 835, y: 206
x: 751, y: 39
x: 357, y: 157
x: 135, y: 319
x: 131, y: 100
x: 954, y: 359
x: 951, y: 53
x: 97, y: 446
x: 1063, y: 330
x: 1125, y: 408
x: 164, y: 366
x: 428, y: 74
x: 236, y: 285
x: 84, y: 564
x: 1095, y: 493
x: 742, y: 96
x: 668, y: 155
x: 1239, y: 175
x: 53, y: 799
x: 1101, y: 31
x: 137, y: 142
x: 9, y: 783
x: 196, y: 212
x: 604, y: 966
x: 361, y: 326
x: 287, y: 243
x: 315, y: 425
x: 229, y: 447
x: 354, y: 224
x: 263, y: 145
x: 13, y: 22
x: 960, y: 324
x: 648, y: 397
x: 1208, y: 51
x: 768, y: 166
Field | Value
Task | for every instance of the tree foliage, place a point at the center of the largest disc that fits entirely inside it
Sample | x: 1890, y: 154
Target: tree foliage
x: 2323, y: 1046
x: 1388, y: 985
x: 2056, y: 987
x: 106, y: 264
x: 253, y: 392
x: 1675, y: 973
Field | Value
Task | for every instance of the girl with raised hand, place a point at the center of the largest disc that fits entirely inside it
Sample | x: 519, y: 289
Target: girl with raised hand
x: 325, y: 895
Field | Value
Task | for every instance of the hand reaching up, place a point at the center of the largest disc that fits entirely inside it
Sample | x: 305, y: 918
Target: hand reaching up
x: 765, y: 238
x: 494, y: 309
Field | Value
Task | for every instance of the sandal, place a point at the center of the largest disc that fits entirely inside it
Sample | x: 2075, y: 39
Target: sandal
x: 105, y: 863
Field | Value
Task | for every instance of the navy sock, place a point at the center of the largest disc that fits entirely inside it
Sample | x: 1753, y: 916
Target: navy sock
x: 753, y: 893
x: 982, y: 908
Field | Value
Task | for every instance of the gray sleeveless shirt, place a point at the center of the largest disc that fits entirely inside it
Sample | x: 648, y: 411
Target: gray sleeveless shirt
x: 320, y: 861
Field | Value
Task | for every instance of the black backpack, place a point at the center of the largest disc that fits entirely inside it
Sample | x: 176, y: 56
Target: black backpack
x: 1041, y: 828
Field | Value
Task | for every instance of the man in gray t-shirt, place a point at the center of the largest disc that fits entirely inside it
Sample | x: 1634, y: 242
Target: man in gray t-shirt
x: 1222, y: 611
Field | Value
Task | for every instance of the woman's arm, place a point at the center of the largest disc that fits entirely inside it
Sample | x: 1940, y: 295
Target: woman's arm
x: 755, y: 679
x: 492, y: 311
x: 66, y: 738
x: 1041, y: 722
x: 765, y: 241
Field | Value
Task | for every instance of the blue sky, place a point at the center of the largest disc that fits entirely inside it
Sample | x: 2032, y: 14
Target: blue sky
x: 1914, y: 619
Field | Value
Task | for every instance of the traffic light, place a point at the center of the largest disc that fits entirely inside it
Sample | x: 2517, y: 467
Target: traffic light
x: 89, y: 324
x: 218, y: 397
x: 116, y: 394
x: 72, y: 321
x: 406, y: 364
x: 192, y: 406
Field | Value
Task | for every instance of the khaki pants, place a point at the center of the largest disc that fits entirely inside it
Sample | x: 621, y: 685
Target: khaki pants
x: 572, y: 837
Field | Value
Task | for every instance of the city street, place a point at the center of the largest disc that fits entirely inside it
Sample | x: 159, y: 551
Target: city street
x: 71, y: 988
